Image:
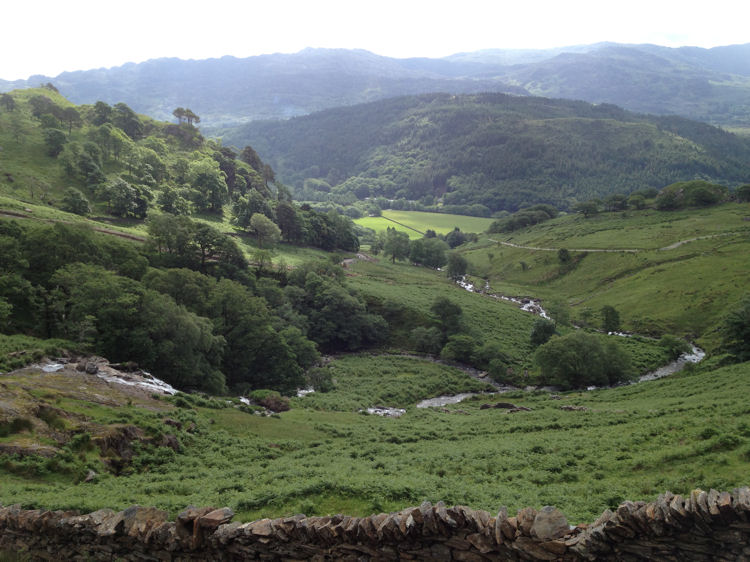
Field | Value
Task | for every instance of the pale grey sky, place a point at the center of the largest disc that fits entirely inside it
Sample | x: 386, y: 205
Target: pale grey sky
x: 49, y: 36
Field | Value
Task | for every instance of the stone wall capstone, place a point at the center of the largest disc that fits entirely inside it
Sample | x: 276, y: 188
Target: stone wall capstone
x: 702, y: 526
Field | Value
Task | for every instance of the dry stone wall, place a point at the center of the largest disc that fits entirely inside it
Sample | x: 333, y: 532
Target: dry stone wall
x: 702, y: 526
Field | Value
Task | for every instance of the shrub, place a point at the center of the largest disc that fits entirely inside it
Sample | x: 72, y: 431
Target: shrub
x: 542, y: 331
x: 75, y: 202
x: 426, y: 340
x: 320, y: 379
x: 270, y: 399
x: 459, y: 348
x: 674, y: 346
x: 579, y: 359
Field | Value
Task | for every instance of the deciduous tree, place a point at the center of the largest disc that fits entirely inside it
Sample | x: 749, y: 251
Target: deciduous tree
x: 264, y: 229
x: 396, y: 244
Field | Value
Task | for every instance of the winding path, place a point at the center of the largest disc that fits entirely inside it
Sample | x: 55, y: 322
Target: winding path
x: 110, y: 232
x: 614, y: 250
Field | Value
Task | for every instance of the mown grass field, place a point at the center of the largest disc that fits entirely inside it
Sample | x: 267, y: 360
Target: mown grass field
x: 416, y: 223
x: 679, y: 433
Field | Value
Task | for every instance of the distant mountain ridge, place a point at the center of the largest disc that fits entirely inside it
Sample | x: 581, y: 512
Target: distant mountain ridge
x: 711, y: 85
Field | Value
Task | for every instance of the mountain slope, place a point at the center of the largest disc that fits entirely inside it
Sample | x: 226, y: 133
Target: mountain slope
x: 492, y: 149
x: 706, y: 84
x: 233, y: 90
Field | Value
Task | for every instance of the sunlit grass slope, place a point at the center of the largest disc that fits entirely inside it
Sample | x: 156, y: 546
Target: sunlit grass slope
x: 661, y: 287
x: 679, y: 433
x: 416, y: 223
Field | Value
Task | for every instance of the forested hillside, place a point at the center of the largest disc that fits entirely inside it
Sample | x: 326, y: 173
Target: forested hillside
x: 175, y: 294
x: 496, y: 150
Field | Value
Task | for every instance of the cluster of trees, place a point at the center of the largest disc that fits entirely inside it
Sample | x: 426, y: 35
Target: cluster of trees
x: 697, y: 193
x: 432, y: 250
x: 184, y: 305
x: 446, y: 336
x: 527, y: 216
x: 678, y: 195
x: 125, y: 164
x: 580, y: 359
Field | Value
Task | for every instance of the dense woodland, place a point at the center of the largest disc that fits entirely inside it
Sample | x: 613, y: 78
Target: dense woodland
x: 490, y: 152
x: 124, y: 164
x: 187, y: 304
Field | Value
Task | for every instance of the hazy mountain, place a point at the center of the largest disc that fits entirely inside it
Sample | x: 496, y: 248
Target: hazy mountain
x: 496, y: 150
x: 711, y: 85
x: 231, y: 90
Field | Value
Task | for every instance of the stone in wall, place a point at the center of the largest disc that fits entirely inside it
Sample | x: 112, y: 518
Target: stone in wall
x: 702, y: 526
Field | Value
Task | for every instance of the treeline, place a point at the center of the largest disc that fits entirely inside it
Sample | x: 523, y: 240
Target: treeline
x: 185, y: 305
x: 493, y: 150
x: 432, y: 250
x: 126, y: 165
x: 678, y: 195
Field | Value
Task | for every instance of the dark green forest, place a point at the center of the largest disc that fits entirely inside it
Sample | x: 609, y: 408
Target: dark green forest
x: 499, y: 151
x: 191, y: 311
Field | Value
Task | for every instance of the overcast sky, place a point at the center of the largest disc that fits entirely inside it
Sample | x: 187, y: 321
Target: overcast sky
x: 51, y: 36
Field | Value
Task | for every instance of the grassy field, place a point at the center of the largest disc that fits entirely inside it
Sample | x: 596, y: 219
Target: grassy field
x: 416, y: 223
x: 486, y: 319
x: 686, y: 431
x: 661, y: 288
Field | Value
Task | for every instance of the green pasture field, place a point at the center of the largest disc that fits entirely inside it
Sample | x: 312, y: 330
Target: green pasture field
x: 416, y: 223
x: 683, y: 432
x: 648, y: 229
x: 662, y: 288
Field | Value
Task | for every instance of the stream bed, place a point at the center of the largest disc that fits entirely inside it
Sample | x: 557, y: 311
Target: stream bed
x: 534, y: 306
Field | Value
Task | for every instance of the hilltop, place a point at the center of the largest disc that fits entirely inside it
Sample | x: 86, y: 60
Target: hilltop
x: 709, y: 85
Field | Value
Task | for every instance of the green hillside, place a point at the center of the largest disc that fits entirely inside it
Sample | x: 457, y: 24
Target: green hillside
x: 494, y: 150
x: 676, y: 434
x: 666, y: 271
x: 128, y: 244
